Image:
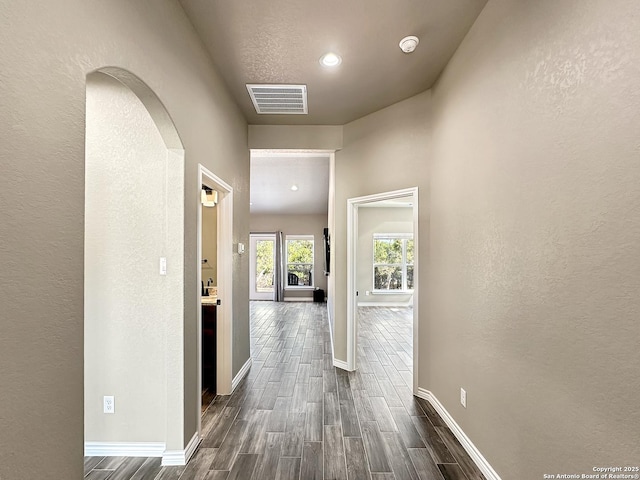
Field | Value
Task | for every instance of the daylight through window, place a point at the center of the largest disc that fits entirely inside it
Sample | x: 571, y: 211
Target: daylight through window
x: 300, y: 261
x: 392, y: 262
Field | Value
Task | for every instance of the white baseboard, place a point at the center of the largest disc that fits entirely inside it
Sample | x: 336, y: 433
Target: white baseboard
x: 241, y: 374
x: 385, y: 304
x: 466, y: 443
x: 298, y: 299
x: 336, y: 362
x: 341, y: 364
x: 181, y: 457
x: 124, y: 449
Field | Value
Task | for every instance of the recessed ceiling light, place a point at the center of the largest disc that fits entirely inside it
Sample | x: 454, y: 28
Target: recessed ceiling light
x: 330, y: 60
x: 294, y: 188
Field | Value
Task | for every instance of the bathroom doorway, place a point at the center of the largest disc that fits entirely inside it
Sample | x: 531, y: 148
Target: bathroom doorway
x: 215, y: 286
x: 209, y: 291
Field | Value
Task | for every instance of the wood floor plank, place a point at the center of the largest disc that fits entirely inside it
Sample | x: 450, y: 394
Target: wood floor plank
x: 466, y: 464
x: 256, y: 438
x: 409, y: 401
x: 200, y: 464
x: 243, y: 466
x: 91, y: 462
x: 424, y: 464
x: 267, y: 465
x: 268, y: 399
x: 278, y: 418
x: 311, y: 467
x: 98, y: 475
x: 356, y: 459
x: 331, y: 408
x: 314, y: 423
x: 410, y: 436
x: 149, y: 469
x: 334, y: 461
x: 329, y: 382
x: 451, y: 471
x: 288, y: 468
x: 349, y: 418
x: 294, y: 434
x: 171, y: 473
x: 434, y: 443
x: 363, y: 406
x: 315, y: 390
x: 398, y: 456
x: 383, y: 415
x: 299, y: 399
x: 110, y: 463
x: 374, y: 446
x: 218, y: 432
x: 435, y: 419
x: 230, y: 446
x: 217, y: 475
x: 287, y: 384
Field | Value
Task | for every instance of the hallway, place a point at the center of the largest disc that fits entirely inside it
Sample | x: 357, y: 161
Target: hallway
x: 295, y: 416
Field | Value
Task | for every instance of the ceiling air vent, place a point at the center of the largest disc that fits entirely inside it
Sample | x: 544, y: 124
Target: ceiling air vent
x: 279, y: 99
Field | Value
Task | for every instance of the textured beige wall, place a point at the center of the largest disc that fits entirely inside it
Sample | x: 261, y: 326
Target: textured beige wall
x: 130, y: 222
x: 305, y: 137
x: 48, y: 48
x: 298, y: 225
x: 385, y: 151
x: 378, y: 220
x: 535, y: 236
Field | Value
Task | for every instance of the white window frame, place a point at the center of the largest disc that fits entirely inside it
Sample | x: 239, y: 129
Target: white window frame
x: 391, y: 236
x: 313, y: 264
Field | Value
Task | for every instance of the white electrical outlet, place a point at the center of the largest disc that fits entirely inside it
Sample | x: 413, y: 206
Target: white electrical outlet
x: 109, y: 404
x: 463, y: 397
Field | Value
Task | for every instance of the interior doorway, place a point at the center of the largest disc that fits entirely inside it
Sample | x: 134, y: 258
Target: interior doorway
x: 393, y: 276
x: 215, y: 309
x: 209, y: 291
x: 262, y: 266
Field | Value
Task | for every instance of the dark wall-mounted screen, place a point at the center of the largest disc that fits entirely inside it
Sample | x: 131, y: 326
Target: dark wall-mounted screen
x: 327, y: 251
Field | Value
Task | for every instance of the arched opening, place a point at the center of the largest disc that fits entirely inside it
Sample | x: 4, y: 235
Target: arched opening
x: 134, y: 272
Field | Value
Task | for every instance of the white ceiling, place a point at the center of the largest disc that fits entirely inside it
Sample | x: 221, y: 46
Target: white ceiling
x: 273, y: 174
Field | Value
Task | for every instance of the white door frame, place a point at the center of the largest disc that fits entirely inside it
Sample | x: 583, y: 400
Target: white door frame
x: 352, y: 299
x: 253, y: 293
x: 224, y: 331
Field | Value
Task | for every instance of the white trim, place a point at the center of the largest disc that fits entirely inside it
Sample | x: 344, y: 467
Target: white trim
x: 341, y: 364
x: 336, y: 363
x: 124, y: 449
x: 298, y: 299
x: 224, y: 336
x: 241, y: 374
x: 386, y: 304
x: 181, y: 457
x: 466, y: 443
x: 352, y: 301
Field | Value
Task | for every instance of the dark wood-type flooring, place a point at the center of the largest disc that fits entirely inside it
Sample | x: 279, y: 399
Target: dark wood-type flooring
x: 296, y: 416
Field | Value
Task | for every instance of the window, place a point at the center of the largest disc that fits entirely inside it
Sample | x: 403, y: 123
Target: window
x: 392, y: 262
x: 300, y: 261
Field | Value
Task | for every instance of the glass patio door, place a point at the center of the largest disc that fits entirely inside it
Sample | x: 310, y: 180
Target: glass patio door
x: 262, y: 267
